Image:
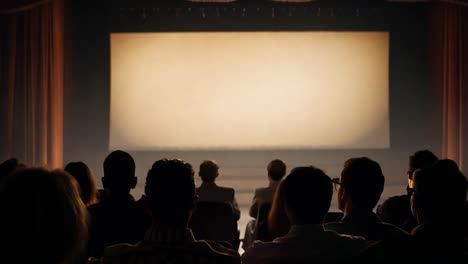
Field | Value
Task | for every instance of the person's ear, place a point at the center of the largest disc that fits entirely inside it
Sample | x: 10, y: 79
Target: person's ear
x: 134, y: 182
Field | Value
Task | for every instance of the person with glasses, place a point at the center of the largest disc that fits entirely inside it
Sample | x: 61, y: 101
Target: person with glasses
x: 359, y: 189
x: 306, y: 194
x: 396, y: 209
x: 438, y: 202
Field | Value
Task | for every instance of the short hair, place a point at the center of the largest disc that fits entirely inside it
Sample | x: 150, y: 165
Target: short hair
x: 208, y: 170
x: 119, y: 169
x: 82, y: 174
x: 308, y: 192
x: 439, y: 190
x: 47, y: 222
x: 363, y: 181
x: 421, y: 159
x: 9, y: 166
x: 276, y: 169
x: 170, y: 187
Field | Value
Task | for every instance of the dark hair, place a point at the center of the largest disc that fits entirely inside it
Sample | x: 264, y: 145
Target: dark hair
x: 119, y: 171
x: 363, y: 181
x: 82, y: 174
x: 170, y: 188
x: 439, y: 190
x: 308, y: 193
x: 9, y: 166
x: 276, y: 169
x: 421, y: 159
x: 47, y: 222
x: 208, y: 170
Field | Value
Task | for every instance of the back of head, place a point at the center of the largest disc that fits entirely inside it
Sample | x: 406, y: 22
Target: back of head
x: 208, y: 170
x: 276, y: 169
x: 439, y: 191
x: 421, y: 159
x: 307, y: 193
x: 170, y: 189
x: 43, y: 219
x: 82, y: 174
x: 9, y: 166
x: 119, y: 172
x: 363, y: 181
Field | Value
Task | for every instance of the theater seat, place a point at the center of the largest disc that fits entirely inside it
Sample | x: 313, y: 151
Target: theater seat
x: 215, y: 221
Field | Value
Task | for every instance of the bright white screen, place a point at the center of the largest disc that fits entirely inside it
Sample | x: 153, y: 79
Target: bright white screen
x: 249, y: 90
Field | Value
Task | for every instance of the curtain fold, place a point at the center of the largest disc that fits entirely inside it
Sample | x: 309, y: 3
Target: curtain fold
x: 449, y: 67
x: 31, y: 84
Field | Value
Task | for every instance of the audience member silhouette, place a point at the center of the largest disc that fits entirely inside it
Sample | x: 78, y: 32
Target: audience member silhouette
x: 361, y: 184
x: 171, y: 196
x: 82, y: 174
x: 118, y: 218
x: 276, y: 170
x: 257, y: 229
x: 43, y: 218
x: 396, y: 209
x: 9, y: 166
x: 210, y: 192
x: 438, y: 198
x: 307, y: 196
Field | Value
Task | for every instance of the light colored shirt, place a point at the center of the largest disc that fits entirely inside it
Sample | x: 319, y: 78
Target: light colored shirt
x: 305, y: 243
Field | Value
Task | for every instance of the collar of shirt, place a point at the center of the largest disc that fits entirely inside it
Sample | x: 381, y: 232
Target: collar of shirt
x: 361, y: 216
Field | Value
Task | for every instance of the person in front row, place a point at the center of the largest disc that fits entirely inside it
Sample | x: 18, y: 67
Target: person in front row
x: 361, y: 184
x: 210, y: 192
x: 307, y: 194
x: 171, y: 197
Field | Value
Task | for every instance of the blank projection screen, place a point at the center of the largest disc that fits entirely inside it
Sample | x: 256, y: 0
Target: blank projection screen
x: 249, y: 90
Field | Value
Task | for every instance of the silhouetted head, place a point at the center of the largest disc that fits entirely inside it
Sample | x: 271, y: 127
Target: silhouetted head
x: 82, y: 174
x: 43, y: 218
x: 208, y: 171
x: 307, y: 195
x: 419, y: 160
x: 119, y: 173
x: 170, y: 189
x: 361, y: 184
x: 276, y: 169
x: 439, y: 192
x: 9, y: 166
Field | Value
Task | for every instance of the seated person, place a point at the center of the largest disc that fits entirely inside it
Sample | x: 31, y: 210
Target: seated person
x: 437, y: 203
x: 396, y: 209
x: 171, y: 197
x: 307, y: 194
x: 118, y: 218
x: 210, y: 192
x: 360, y: 186
x: 43, y: 219
x: 276, y: 170
x: 82, y: 174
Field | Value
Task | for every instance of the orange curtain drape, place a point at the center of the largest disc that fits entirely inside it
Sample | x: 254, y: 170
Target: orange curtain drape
x: 449, y: 65
x: 32, y: 51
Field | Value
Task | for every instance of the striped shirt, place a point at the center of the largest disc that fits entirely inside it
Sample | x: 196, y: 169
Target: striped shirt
x: 170, y: 246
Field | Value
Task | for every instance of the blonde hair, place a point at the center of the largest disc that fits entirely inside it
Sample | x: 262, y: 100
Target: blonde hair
x: 43, y: 218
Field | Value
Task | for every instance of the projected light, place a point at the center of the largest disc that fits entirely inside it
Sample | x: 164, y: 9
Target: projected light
x: 249, y: 90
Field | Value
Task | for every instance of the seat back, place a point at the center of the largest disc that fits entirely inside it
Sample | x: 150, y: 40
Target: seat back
x: 215, y: 221
x: 261, y: 229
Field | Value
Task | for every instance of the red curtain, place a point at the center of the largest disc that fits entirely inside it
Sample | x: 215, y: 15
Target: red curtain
x: 31, y: 83
x: 449, y: 65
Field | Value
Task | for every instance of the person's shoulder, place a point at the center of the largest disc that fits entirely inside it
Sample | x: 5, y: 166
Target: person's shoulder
x: 396, y: 200
x: 217, y: 249
x: 333, y: 226
x: 393, y: 229
x: 119, y: 250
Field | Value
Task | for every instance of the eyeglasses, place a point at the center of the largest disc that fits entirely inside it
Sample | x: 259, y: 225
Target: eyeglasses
x: 336, y: 182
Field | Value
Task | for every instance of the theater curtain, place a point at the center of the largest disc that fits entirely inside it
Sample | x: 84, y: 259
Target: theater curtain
x: 450, y: 66
x: 31, y: 82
